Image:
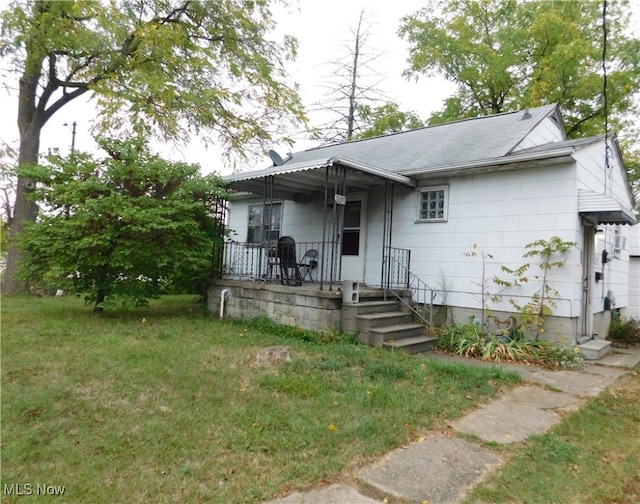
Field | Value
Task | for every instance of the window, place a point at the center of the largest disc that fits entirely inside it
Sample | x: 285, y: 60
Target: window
x: 351, y: 228
x: 432, y: 204
x: 264, y: 222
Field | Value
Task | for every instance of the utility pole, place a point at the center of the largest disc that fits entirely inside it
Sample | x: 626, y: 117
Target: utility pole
x: 73, y: 135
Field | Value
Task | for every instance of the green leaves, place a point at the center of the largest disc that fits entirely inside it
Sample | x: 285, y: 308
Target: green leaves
x: 127, y: 225
x: 542, y: 301
x: 386, y: 119
x: 165, y: 67
x: 507, y: 55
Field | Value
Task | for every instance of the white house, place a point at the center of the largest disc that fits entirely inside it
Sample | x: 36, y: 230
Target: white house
x: 409, y: 207
x: 633, y: 304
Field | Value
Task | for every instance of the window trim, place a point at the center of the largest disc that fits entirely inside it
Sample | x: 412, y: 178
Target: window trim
x: 427, y: 189
x: 262, y: 226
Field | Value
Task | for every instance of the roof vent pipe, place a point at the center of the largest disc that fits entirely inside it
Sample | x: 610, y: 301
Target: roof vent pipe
x: 526, y: 115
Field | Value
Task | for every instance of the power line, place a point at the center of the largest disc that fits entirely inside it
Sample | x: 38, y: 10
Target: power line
x: 604, y: 82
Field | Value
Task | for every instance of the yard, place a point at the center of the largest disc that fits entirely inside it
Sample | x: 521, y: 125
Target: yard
x: 164, y: 404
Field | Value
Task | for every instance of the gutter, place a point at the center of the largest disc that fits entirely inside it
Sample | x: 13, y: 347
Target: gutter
x: 372, y: 170
x: 502, y: 161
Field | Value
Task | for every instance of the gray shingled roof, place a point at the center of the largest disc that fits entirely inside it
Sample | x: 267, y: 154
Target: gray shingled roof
x: 455, y: 143
x: 460, y: 145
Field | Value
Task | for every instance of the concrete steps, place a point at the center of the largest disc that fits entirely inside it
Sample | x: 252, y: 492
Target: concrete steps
x: 382, y: 323
x: 595, y: 349
x: 417, y: 344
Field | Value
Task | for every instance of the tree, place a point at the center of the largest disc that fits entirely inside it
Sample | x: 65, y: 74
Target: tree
x: 7, y: 184
x: 126, y: 225
x: 551, y: 255
x: 350, y: 88
x: 165, y: 67
x: 7, y: 189
x: 508, y: 55
x: 385, y: 119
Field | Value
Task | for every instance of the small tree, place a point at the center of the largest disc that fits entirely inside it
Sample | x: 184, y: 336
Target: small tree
x: 542, y: 302
x: 485, y: 293
x: 121, y: 226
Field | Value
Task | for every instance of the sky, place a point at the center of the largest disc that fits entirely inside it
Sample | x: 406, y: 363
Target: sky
x: 323, y: 30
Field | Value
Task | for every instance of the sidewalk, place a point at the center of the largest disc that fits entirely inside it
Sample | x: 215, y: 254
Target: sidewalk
x: 441, y: 468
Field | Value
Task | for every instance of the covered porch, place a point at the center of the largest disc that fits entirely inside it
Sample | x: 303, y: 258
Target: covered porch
x: 300, y: 264
x: 322, y: 225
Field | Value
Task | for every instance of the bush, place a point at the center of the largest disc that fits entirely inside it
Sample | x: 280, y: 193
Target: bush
x: 468, y: 341
x: 625, y: 331
x: 561, y: 357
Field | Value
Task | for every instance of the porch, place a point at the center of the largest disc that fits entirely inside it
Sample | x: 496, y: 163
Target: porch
x: 292, y: 269
x: 292, y: 263
x: 376, y: 316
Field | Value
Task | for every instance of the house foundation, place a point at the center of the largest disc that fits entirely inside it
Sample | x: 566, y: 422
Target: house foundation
x: 305, y: 306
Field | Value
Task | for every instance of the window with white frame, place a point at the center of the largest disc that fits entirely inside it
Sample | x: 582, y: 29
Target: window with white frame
x: 433, y: 203
x: 264, y: 222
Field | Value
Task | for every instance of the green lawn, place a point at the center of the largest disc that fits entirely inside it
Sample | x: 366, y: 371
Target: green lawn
x: 592, y: 456
x: 163, y: 404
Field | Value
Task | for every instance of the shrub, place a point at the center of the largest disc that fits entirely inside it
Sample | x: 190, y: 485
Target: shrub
x: 561, y: 357
x: 468, y: 341
x: 625, y: 331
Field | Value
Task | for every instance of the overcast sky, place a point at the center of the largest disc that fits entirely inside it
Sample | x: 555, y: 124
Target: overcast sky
x: 323, y: 30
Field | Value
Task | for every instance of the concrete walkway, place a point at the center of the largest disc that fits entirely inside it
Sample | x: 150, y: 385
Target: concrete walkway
x: 442, y: 468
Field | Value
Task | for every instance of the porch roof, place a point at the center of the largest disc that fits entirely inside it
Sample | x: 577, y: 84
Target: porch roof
x: 603, y: 209
x: 295, y: 180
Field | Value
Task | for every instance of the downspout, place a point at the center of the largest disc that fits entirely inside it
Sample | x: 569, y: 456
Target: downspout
x: 222, y: 296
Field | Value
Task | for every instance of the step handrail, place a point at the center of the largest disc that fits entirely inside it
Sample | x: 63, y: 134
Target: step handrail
x: 397, y: 273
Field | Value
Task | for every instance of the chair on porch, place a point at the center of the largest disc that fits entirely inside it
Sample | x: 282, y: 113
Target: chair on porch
x: 271, y: 249
x: 308, y: 263
x: 289, y: 272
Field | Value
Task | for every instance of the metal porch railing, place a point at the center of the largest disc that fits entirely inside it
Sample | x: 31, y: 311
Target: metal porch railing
x: 258, y: 261
x: 396, y: 275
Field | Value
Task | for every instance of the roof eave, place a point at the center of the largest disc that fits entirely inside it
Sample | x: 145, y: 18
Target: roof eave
x: 377, y: 172
x: 497, y: 163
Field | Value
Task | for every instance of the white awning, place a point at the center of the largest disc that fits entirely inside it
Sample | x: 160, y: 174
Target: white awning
x: 604, y: 209
x: 296, y: 180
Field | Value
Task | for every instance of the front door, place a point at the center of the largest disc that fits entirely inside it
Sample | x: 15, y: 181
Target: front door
x: 354, y: 238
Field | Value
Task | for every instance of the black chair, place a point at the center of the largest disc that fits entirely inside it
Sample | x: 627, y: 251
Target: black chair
x: 289, y: 272
x: 308, y: 263
x: 271, y: 249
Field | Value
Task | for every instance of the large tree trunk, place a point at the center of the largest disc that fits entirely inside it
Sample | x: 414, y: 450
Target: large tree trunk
x: 31, y: 119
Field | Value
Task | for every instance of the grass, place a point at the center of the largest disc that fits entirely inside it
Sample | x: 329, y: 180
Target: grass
x: 163, y: 403
x: 592, y: 456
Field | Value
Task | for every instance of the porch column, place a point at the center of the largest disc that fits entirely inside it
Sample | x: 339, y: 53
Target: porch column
x: 387, y: 222
x: 334, y: 199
